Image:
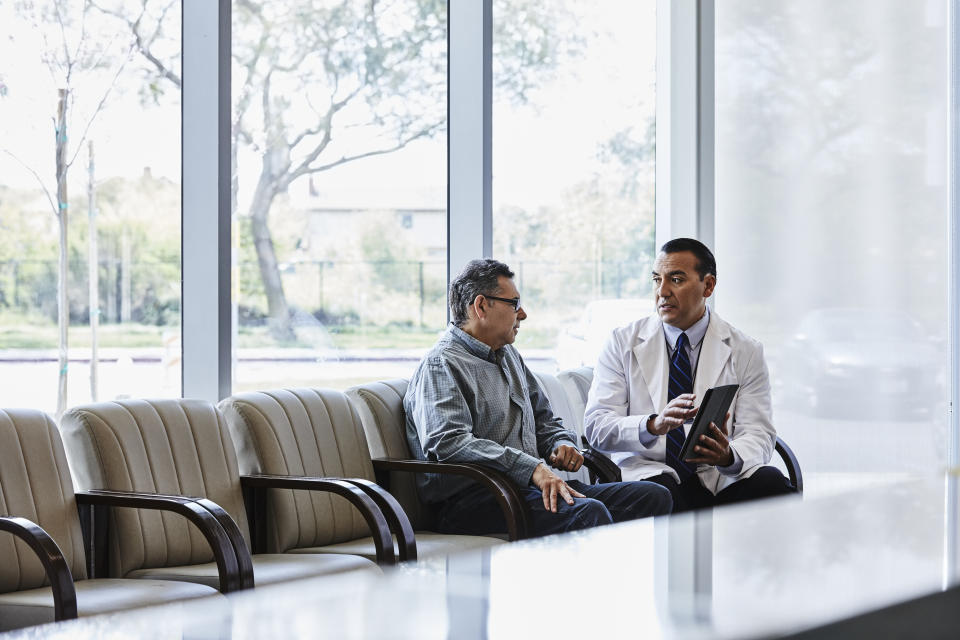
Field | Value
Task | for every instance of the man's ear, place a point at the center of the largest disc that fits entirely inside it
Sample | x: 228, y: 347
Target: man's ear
x: 479, y: 307
x: 709, y: 281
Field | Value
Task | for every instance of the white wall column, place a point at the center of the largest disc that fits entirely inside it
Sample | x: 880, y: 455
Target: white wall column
x: 953, y: 278
x: 685, y: 120
x: 469, y: 105
x: 205, y: 231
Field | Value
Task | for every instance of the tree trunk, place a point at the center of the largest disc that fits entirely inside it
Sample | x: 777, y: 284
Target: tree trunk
x: 94, y: 278
x: 277, y: 307
x: 63, y: 302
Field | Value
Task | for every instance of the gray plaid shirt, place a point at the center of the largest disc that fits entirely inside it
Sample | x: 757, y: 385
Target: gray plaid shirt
x: 469, y: 403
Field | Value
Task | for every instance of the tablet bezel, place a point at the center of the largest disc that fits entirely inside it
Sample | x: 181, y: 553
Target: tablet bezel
x: 716, y: 402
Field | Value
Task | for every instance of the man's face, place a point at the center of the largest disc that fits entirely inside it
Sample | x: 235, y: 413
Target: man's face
x: 502, y: 321
x: 681, y: 295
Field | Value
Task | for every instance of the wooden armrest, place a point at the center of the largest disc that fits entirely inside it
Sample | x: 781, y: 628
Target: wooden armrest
x: 54, y: 564
x: 792, y: 464
x: 375, y: 518
x: 602, y: 468
x: 226, y: 555
x: 396, y: 516
x: 515, y: 509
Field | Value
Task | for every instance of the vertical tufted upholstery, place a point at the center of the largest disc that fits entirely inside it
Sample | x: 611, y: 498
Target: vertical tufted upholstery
x: 576, y: 383
x: 35, y: 484
x: 380, y: 407
x: 155, y: 446
x: 301, y: 432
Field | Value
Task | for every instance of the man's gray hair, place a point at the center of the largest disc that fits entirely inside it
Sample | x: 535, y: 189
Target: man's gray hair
x: 478, y: 278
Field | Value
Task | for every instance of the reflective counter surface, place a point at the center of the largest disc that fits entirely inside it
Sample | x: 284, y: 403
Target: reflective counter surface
x: 765, y: 569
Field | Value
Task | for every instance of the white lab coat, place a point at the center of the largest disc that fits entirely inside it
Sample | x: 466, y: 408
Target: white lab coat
x: 630, y: 383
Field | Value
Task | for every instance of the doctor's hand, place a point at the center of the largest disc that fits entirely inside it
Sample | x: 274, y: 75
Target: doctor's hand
x: 673, y: 415
x: 714, y: 449
x: 566, y: 458
x: 551, y: 484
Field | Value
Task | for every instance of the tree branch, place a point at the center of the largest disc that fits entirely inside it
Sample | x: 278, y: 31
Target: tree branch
x: 46, y: 192
x: 96, y: 111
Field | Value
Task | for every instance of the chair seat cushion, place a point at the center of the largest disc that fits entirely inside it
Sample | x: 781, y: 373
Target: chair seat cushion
x: 35, y: 606
x: 429, y: 544
x: 267, y: 569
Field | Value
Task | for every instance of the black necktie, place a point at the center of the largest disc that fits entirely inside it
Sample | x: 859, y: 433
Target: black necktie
x: 681, y: 381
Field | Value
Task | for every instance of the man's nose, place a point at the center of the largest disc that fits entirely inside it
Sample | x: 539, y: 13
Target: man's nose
x: 521, y: 314
x: 663, y: 290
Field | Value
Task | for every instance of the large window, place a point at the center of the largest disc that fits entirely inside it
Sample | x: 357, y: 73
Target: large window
x: 339, y: 142
x: 832, y: 187
x: 573, y: 168
x: 89, y: 204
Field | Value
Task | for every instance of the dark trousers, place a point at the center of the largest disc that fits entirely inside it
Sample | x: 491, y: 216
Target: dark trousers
x: 765, y: 482
x: 474, y: 511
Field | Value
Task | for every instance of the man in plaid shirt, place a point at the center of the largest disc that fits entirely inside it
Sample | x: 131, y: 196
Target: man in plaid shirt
x: 472, y: 399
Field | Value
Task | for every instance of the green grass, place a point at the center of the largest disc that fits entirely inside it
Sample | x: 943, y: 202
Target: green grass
x: 45, y: 336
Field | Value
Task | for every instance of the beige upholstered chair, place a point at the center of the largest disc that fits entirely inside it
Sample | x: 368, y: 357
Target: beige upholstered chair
x: 577, y: 384
x: 317, y: 433
x: 178, y: 447
x: 380, y: 407
x: 39, y: 581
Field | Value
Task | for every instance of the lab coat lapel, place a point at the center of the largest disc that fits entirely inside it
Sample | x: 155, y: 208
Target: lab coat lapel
x: 651, y: 354
x: 714, y: 355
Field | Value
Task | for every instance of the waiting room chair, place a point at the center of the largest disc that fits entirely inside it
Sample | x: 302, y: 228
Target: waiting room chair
x: 380, y: 408
x: 597, y: 467
x: 183, y: 448
x: 42, y: 582
x: 317, y: 433
x: 577, y: 384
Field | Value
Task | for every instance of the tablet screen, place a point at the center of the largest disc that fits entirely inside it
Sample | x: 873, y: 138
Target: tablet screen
x: 716, y: 403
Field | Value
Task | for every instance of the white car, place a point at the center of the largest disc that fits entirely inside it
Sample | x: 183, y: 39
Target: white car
x: 580, y: 344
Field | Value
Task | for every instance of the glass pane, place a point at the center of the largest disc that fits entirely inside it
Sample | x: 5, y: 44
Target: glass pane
x: 573, y: 169
x: 340, y: 217
x: 832, y: 185
x: 90, y: 175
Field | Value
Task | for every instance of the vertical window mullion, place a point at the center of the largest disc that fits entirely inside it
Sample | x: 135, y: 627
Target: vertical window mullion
x: 205, y: 235
x: 469, y: 209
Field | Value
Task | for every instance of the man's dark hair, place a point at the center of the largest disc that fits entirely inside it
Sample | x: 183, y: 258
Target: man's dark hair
x: 706, y: 263
x: 478, y: 278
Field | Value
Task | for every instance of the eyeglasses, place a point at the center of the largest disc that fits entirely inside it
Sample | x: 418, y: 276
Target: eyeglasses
x: 513, y: 302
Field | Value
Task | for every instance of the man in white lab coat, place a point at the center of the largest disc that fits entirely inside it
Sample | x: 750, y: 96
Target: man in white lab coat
x: 651, y: 376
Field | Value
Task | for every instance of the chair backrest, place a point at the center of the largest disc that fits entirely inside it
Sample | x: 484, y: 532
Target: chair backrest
x: 168, y: 446
x: 35, y: 484
x: 380, y: 407
x: 561, y: 405
x: 301, y: 432
x: 576, y: 383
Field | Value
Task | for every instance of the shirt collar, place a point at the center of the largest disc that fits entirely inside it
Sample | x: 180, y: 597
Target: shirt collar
x: 474, y: 346
x: 695, y: 333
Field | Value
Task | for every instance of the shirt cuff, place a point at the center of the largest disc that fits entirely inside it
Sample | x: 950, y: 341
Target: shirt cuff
x: 522, y: 471
x: 646, y: 438
x: 735, y: 467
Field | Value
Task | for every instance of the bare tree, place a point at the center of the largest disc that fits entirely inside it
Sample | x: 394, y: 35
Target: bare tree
x: 84, y: 66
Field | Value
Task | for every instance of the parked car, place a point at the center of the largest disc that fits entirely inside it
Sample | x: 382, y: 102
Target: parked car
x: 853, y: 362
x: 581, y: 344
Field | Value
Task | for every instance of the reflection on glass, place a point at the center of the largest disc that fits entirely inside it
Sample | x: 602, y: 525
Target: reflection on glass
x: 89, y: 203
x: 831, y: 214
x: 573, y: 168
x: 339, y: 147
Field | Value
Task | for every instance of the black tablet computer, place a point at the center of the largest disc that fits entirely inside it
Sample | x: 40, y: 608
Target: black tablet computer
x: 716, y: 403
